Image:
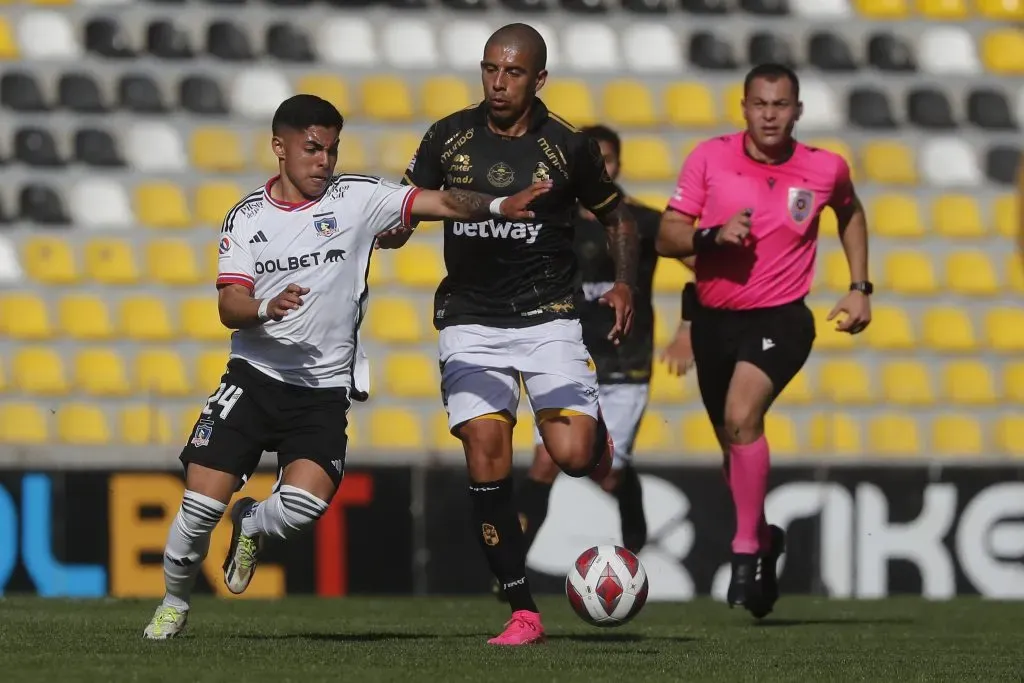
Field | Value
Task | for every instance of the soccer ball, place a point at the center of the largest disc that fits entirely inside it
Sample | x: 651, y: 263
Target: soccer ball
x: 607, y: 585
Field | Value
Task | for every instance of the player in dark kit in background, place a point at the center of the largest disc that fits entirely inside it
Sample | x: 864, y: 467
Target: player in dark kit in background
x: 507, y: 308
x: 758, y: 196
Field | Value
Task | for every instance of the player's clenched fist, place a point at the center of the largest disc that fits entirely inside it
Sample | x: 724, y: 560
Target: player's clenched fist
x: 736, y: 230
x: 288, y: 300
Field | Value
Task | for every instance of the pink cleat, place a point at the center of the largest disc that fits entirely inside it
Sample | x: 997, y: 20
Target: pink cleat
x: 524, y: 628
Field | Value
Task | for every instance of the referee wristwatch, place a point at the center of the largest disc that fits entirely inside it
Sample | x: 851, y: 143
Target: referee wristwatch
x: 864, y: 286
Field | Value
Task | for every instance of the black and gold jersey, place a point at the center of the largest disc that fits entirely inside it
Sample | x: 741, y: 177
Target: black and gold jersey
x: 512, y: 273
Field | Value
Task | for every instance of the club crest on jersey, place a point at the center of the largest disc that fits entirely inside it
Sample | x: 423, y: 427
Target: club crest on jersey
x: 500, y: 175
x: 801, y: 202
x: 225, y: 246
x: 325, y: 225
x: 201, y: 437
x: 541, y: 172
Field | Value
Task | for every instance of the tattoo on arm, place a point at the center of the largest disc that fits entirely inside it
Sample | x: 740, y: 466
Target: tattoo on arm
x: 624, y: 243
x: 472, y: 204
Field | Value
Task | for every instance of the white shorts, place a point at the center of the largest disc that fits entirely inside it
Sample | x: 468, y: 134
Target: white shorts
x: 622, y: 406
x: 481, y: 366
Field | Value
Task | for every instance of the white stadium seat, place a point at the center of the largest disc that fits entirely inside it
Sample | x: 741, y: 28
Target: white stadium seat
x: 949, y: 162
x: 590, y: 46
x: 948, y: 50
x: 155, y: 146
x: 256, y: 93
x: 555, y: 56
x: 100, y: 203
x: 820, y: 9
x: 10, y: 268
x: 47, y: 35
x: 347, y: 40
x: 409, y: 43
x: 651, y: 48
x: 463, y: 43
x: 821, y: 113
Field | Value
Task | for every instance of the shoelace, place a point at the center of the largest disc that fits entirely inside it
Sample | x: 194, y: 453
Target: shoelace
x: 522, y: 622
x: 166, y: 616
x: 248, y: 555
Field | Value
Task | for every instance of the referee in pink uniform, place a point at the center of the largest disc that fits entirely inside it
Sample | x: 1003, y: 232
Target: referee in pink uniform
x: 757, y: 197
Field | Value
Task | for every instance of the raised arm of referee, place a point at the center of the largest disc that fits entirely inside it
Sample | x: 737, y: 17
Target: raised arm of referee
x: 757, y: 197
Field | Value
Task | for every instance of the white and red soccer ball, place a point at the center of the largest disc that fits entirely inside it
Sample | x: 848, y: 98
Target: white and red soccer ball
x: 607, y: 585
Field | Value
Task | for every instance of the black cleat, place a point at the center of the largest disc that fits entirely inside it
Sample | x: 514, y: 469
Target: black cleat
x: 769, y: 578
x: 745, y: 584
x: 629, y: 493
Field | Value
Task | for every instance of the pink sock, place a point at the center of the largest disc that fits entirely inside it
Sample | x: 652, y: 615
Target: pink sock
x: 748, y: 480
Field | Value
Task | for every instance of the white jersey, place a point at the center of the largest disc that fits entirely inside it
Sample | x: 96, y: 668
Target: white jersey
x: 325, y: 245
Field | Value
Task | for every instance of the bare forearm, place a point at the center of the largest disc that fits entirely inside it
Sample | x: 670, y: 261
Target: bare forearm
x: 624, y: 244
x: 675, y: 237
x: 854, y: 236
x: 238, y: 310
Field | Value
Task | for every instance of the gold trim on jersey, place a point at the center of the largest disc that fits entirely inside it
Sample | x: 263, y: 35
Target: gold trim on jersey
x: 562, y: 121
x: 598, y: 207
x: 545, y: 414
x: 409, y: 180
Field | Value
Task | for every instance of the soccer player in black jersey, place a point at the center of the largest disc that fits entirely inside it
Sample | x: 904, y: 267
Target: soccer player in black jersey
x: 508, y: 308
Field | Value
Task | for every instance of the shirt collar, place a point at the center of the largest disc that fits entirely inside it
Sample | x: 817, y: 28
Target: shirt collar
x: 538, y: 114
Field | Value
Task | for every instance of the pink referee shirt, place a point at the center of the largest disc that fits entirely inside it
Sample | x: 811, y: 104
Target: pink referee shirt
x: 719, y: 179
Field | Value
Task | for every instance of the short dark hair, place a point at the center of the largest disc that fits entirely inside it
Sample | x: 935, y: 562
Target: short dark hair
x: 605, y: 134
x: 525, y: 37
x: 772, y: 71
x: 299, y: 112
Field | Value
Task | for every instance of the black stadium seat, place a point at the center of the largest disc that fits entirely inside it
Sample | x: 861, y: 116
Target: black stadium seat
x: 525, y: 5
x: 289, y: 43
x: 351, y: 4
x: 646, y: 6
x: 769, y: 8
x: 167, y: 41
x: 829, y: 52
x: 930, y: 108
x: 39, y: 203
x: 107, y: 38
x: 407, y: 4
x: 465, y: 5
x: 80, y: 93
x: 95, y: 147
x: 20, y: 91
x: 36, y: 147
x: 704, y: 6
x: 140, y: 94
x: 585, y: 6
x: 764, y: 47
x: 202, y: 95
x: 227, y: 41
x: 708, y: 51
x: 870, y: 108
x: 889, y: 52
x: 1002, y: 163
x: 989, y: 109
x: 289, y: 3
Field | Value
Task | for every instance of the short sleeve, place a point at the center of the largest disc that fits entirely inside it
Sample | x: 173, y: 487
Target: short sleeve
x: 691, y: 187
x: 390, y: 206
x: 594, y: 188
x: 235, y: 265
x: 842, y: 189
x: 424, y: 170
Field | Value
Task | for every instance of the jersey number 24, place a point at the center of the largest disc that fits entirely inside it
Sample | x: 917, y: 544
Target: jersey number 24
x: 226, y: 396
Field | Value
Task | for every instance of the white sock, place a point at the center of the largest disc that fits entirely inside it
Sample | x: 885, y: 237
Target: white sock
x: 288, y: 511
x: 188, y: 540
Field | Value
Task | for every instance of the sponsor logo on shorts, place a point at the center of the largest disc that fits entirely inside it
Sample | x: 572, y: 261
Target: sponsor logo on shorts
x: 201, y: 436
x: 506, y: 230
x: 490, y: 534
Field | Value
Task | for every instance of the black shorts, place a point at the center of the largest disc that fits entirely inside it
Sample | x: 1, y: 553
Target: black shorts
x: 777, y: 340
x: 250, y: 413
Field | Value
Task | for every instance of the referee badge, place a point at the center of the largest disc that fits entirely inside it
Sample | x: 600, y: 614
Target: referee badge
x: 325, y: 225
x: 801, y: 202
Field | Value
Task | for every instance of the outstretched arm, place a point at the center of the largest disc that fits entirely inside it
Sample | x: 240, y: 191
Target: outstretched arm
x: 460, y: 204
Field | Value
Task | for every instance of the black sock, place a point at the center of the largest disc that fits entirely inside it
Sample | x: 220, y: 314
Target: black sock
x: 502, y: 540
x: 600, y: 447
x: 630, y: 496
x: 533, y: 498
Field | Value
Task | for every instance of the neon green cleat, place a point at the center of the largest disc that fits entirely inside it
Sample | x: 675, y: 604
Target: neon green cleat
x: 167, y: 622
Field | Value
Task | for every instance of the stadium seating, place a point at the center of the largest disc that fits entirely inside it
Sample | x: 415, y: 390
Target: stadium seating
x: 132, y: 133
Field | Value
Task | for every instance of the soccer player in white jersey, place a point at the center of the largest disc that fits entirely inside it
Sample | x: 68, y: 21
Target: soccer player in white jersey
x: 294, y: 256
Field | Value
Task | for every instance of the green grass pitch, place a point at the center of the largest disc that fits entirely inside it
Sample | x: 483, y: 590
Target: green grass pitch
x: 438, y: 639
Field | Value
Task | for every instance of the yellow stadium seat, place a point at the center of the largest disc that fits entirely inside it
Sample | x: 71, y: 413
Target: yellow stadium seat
x: 943, y: 9
x: 971, y: 273
x: 907, y: 383
x: 890, y: 329
x: 782, y: 434
x: 49, y: 260
x: 145, y: 318
x: 38, y: 371
x: 24, y: 316
x: 85, y: 317
x: 101, y: 372
x: 1006, y: 215
x: 411, y: 375
x: 839, y: 147
x: 395, y: 151
x: 161, y: 372
x: 686, y: 149
x: 629, y: 103
x: 835, y: 271
x: 732, y: 98
x: 670, y: 276
x: 419, y: 265
x: 162, y: 205
x: 172, y: 262
x: 387, y: 98
x: 330, y: 88
x: 968, y: 382
x: 948, y: 329
x: 828, y: 338
x: 1002, y: 51
x: 845, y: 381
x: 8, y: 43
x: 381, y: 265
x: 690, y: 105
x: 523, y: 434
x: 957, y: 435
x: 1004, y: 329
x: 1010, y: 435
x: 216, y: 149
x: 896, y: 215
x: 798, y: 391
x: 889, y: 163
x: 3, y: 377
x: 571, y: 100
x: 894, y: 434
x: 1013, y: 381
x: 352, y: 154
x: 1000, y: 9
x: 110, y: 262
x: 263, y: 154
x: 1015, y: 273
x: 698, y: 436
x: 51, y: 2
x: 649, y: 159
x: 142, y: 425
x: 395, y: 321
x: 834, y: 434
x: 22, y: 424
x: 957, y: 215
x: 882, y: 9
x: 666, y: 387
x: 82, y: 424
x: 655, y: 434
x: 210, y: 367
x: 443, y: 95
x: 652, y: 200
x: 442, y: 439
x: 395, y: 429
x: 201, y: 321
x: 214, y: 200
x: 909, y: 272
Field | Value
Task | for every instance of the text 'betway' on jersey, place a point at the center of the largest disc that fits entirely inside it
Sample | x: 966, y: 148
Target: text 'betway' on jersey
x: 506, y: 230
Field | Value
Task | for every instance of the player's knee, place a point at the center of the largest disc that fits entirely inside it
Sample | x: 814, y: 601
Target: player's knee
x: 543, y: 468
x: 743, y: 424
